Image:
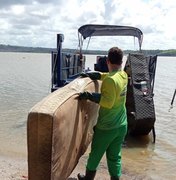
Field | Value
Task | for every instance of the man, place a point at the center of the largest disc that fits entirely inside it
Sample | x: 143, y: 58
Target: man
x: 111, y: 126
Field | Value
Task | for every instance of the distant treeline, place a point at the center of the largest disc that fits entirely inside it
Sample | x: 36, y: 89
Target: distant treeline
x: 10, y: 48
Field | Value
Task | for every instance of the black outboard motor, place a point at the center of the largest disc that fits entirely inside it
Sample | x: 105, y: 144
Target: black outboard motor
x: 101, y: 64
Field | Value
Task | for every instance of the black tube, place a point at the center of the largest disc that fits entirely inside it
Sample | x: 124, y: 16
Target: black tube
x: 173, y: 98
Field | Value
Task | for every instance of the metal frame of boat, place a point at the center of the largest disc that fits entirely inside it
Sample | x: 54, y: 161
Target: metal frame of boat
x: 89, y: 30
x: 140, y: 105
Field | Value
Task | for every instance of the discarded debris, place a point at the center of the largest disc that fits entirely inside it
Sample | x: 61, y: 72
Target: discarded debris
x: 172, y: 102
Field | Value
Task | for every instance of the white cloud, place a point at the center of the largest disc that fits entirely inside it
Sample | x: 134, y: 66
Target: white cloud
x: 36, y: 22
x: 17, y: 9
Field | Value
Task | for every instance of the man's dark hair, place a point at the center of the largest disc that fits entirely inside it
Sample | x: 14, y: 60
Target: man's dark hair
x: 115, y: 55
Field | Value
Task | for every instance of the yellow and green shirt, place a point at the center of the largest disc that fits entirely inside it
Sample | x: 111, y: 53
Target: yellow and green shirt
x: 112, y: 112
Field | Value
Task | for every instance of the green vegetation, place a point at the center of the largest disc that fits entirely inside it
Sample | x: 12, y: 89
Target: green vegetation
x: 170, y: 52
x: 9, y: 48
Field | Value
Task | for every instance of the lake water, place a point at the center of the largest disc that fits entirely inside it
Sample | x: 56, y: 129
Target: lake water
x: 25, y: 80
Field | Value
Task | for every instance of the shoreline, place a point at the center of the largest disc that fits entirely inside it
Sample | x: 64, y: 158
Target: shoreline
x: 15, y: 168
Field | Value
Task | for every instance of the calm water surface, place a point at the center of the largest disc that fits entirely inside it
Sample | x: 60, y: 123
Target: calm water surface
x: 25, y: 80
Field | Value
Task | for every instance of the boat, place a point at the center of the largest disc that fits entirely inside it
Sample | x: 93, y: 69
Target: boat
x: 140, y: 68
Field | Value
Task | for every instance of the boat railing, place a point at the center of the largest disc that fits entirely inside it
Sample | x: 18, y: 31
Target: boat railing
x: 65, y: 68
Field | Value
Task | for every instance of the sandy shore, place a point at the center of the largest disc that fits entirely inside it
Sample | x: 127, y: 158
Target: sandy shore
x: 15, y: 168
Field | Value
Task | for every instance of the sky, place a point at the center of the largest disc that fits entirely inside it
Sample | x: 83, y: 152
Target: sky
x: 36, y: 23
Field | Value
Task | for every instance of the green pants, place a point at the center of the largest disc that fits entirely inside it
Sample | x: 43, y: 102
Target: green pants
x: 109, y: 141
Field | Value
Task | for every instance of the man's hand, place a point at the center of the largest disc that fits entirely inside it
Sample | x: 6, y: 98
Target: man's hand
x: 84, y: 95
x: 95, y: 97
x: 83, y: 75
x: 91, y: 75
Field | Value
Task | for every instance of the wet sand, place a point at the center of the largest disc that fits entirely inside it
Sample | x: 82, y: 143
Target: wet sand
x: 15, y: 168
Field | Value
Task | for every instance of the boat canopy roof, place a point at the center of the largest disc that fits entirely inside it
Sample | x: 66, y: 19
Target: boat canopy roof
x: 90, y: 30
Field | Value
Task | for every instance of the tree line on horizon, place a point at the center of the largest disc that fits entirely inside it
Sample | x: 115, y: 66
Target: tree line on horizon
x: 10, y: 48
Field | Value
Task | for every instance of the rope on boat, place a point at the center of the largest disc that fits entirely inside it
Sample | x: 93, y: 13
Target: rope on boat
x: 172, y: 102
